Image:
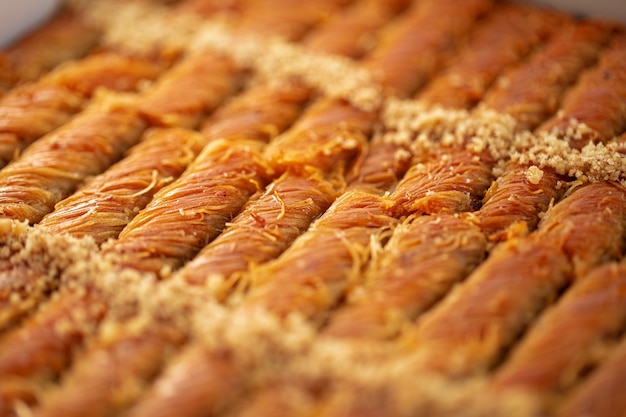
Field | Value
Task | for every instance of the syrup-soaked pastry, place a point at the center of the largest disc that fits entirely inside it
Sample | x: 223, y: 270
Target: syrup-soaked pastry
x: 334, y: 141
x: 327, y: 257
x: 350, y: 32
x: 208, y: 8
x: 589, y: 225
x: 344, y: 35
x: 320, y: 123
x: 479, y: 62
x: 424, y: 188
x: 103, y: 207
x: 107, y: 203
x: 417, y: 42
x: 136, y: 358
x: 526, y: 108
x: 284, y: 18
x: 208, y: 379
x: 261, y: 84
x: 601, y: 393
x: 263, y: 230
x: 321, y: 264
x: 452, y: 184
x: 290, y: 398
x: 188, y: 213
x: 549, y: 360
x: 195, y: 86
x: 515, y: 200
x: 29, y: 112
x: 532, y: 92
x: 473, y: 330
x: 380, y: 166
x: 42, y: 347
x: 138, y: 244
x: 424, y: 258
x: 256, y: 116
x: 512, y: 204
x: 109, y: 70
x: 468, y: 330
x: 597, y: 100
x: 65, y: 36
x: 260, y: 113
x: 330, y: 132
x: 32, y: 110
x: 54, y: 166
x: 507, y: 35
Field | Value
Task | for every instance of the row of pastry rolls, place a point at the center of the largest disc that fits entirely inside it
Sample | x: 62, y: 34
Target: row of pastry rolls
x: 495, y: 217
x: 199, y: 357
x: 506, y: 35
x: 543, y: 267
x: 162, y: 112
x: 559, y: 251
x: 66, y: 157
x: 264, y: 113
x: 312, y: 274
x: 448, y: 179
x: 313, y: 122
x: 195, y: 93
x: 343, y: 148
x: 131, y: 179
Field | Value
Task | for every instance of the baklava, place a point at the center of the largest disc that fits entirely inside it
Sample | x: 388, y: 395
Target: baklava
x: 313, y: 208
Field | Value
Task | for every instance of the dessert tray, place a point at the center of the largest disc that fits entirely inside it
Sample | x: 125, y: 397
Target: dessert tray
x: 313, y: 208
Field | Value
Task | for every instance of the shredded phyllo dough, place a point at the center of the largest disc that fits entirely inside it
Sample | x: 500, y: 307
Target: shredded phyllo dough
x: 313, y: 208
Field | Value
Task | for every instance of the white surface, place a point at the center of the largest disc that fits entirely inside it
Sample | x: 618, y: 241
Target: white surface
x: 603, y: 9
x: 18, y: 16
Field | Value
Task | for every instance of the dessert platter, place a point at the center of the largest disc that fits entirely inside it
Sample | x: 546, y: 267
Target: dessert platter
x: 313, y: 208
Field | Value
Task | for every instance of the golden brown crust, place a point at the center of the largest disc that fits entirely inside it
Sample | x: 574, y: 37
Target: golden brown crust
x: 506, y: 35
x: 551, y: 360
x: 264, y: 229
x: 284, y: 18
x: 469, y: 330
x: 349, y: 32
x: 50, y: 169
x: 423, y: 259
x: 112, y: 374
x: 260, y: 113
x: 185, y: 94
x: 108, y: 202
x: 108, y: 70
x: 320, y: 265
x: 452, y: 184
x: 549, y: 72
x: 53, y: 332
x: 589, y: 225
x: 410, y: 51
x: 329, y: 133
x: 297, y: 189
x: 208, y: 380
x: 513, y: 204
x: 380, y: 166
x: 596, y: 100
x: 31, y: 111
x: 600, y: 394
x: 193, y: 210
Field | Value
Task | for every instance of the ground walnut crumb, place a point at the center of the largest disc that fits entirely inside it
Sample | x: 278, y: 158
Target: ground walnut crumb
x: 534, y: 174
